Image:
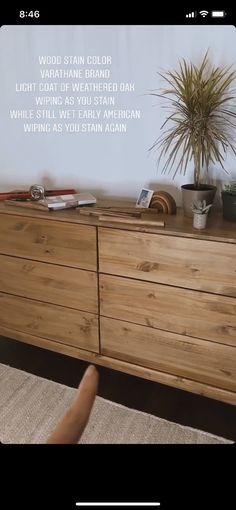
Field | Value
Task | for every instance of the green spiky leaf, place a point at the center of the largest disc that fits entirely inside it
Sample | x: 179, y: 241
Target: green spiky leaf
x: 201, y: 120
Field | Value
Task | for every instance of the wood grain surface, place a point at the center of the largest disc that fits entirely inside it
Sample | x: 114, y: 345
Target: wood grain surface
x: 181, y: 383
x: 167, y: 307
x: 175, y: 225
x: 199, y: 360
x: 66, y: 286
x: 57, y: 323
x: 132, y: 221
x: 49, y: 241
x: 190, y: 263
x: 183, y: 311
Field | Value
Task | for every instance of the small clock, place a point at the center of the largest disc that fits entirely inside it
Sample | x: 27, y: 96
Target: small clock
x: 29, y: 14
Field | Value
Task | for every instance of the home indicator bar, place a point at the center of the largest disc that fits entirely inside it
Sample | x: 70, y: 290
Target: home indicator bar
x: 119, y: 504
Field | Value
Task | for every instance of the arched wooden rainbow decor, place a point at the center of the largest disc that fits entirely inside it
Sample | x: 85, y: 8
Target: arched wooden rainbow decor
x: 163, y: 202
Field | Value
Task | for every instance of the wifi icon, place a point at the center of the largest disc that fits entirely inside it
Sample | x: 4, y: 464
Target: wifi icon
x: 204, y: 13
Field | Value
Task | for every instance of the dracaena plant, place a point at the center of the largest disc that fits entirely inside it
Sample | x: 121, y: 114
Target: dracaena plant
x: 201, y: 102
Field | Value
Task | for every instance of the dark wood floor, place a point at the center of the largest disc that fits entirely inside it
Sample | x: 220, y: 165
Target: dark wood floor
x: 163, y: 401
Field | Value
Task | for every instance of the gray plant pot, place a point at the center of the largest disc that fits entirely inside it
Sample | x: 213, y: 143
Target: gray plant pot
x: 199, y: 221
x: 191, y: 194
x: 229, y: 206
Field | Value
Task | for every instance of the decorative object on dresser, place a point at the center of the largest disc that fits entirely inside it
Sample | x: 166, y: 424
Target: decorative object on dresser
x: 111, y: 211
x: 102, y: 292
x: 202, y: 122
x: 163, y: 202
x: 229, y: 201
x: 190, y: 194
x: 200, y: 212
x: 144, y: 198
x: 125, y: 215
x: 71, y: 200
x: 132, y: 221
x: 35, y: 192
x: 55, y: 202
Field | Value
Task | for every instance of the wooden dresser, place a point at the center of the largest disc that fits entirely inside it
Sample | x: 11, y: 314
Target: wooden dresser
x: 158, y: 303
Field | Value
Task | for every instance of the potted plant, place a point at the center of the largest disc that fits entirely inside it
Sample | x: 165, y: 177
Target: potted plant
x: 229, y: 201
x: 200, y: 211
x: 201, y: 120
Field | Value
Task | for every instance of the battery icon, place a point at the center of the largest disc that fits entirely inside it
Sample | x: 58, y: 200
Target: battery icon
x: 217, y: 14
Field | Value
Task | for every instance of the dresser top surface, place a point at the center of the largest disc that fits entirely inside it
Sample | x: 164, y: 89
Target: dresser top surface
x: 175, y: 225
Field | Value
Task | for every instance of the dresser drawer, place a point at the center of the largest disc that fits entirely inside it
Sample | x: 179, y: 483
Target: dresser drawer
x: 198, y: 360
x: 68, y: 244
x: 60, y: 285
x: 183, y: 311
x: 63, y: 325
x: 190, y: 263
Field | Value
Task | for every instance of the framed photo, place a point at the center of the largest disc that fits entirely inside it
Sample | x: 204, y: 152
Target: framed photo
x: 145, y: 197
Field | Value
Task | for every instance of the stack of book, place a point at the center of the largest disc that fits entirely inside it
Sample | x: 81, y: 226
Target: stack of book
x: 56, y: 202
x: 67, y: 201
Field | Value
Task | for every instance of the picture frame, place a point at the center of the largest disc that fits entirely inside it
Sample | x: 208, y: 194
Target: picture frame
x: 144, y: 198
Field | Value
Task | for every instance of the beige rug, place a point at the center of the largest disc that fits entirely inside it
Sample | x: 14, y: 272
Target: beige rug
x: 31, y: 406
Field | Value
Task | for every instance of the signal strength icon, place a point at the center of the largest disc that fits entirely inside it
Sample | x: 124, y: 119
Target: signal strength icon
x: 191, y: 15
x: 204, y: 13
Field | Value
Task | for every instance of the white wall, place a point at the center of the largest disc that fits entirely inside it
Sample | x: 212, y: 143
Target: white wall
x: 106, y: 164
